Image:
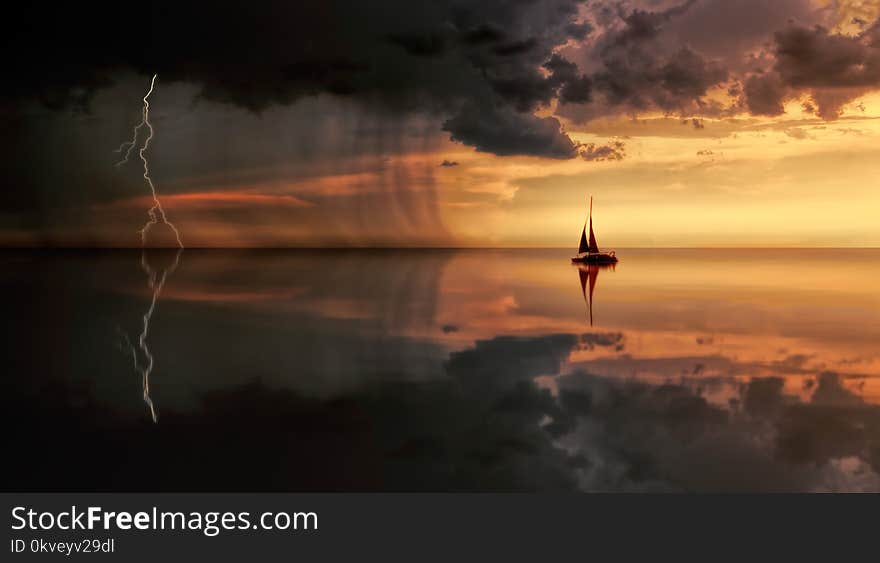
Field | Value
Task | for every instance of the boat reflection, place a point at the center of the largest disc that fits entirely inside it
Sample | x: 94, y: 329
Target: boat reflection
x: 588, y: 273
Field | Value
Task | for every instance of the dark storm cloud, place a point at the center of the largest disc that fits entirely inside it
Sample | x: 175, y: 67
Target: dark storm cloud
x: 444, y: 56
x: 430, y: 45
x: 579, y: 30
x: 834, y: 69
x: 573, y: 87
x: 731, y: 31
x: 505, y: 131
x: 818, y: 58
x: 635, y: 65
x: 764, y: 94
x: 427, y: 56
x: 578, y: 90
x: 642, y: 24
x: 524, y: 91
x: 668, y: 56
x: 637, y: 78
x: 483, y: 33
x: 515, y: 47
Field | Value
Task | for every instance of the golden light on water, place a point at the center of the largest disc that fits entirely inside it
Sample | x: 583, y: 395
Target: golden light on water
x: 698, y: 317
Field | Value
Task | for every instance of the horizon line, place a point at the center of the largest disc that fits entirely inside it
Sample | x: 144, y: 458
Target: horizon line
x: 439, y: 247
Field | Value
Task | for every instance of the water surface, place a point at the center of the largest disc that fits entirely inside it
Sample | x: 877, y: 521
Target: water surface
x: 684, y: 370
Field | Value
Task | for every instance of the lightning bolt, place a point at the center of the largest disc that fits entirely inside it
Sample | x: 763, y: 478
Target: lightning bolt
x: 155, y: 279
x: 156, y: 213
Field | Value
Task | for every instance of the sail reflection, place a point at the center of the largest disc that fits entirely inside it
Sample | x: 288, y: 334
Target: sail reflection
x: 588, y: 273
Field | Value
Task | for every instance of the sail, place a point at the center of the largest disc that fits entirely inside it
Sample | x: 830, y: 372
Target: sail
x: 583, y: 247
x: 593, y: 246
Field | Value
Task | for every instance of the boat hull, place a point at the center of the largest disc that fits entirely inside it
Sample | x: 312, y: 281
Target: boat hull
x: 595, y: 258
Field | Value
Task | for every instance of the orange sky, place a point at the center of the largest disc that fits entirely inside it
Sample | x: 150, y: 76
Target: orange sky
x: 793, y: 180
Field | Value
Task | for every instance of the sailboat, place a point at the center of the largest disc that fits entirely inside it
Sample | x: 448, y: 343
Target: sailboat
x: 588, y: 249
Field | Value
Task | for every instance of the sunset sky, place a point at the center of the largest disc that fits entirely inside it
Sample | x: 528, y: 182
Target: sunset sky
x: 449, y: 123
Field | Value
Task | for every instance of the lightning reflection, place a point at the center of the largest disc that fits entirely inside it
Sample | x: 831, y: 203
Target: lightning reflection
x: 143, y: 359
x: 157, y: 273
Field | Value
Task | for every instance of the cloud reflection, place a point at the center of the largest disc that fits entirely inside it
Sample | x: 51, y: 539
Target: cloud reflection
x: 438, y: 371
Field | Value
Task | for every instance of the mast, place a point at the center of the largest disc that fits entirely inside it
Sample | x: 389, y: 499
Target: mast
x: 593, y: 246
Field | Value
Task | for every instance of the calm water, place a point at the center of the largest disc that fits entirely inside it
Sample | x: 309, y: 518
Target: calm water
x: 728, y: 370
